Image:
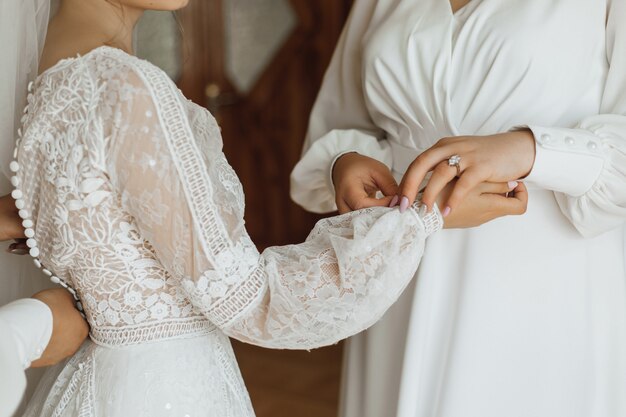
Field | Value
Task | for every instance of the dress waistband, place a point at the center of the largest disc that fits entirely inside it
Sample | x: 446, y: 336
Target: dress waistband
x: 153, y: 332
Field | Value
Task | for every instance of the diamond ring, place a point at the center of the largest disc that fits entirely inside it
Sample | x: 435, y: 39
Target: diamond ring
x: 455, y: 161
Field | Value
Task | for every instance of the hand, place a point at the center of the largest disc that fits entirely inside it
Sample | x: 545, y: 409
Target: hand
x: 10, y: 222
x: 485, y: 202
x: 358, y: 178
x: 19, y: 247
x: 69, y: 329
x: 497, y: 158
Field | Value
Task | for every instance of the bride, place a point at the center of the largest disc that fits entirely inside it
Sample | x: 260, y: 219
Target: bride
x: 128, y: 202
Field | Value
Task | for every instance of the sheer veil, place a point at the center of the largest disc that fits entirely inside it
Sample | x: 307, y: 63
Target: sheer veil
x: 23, y: 25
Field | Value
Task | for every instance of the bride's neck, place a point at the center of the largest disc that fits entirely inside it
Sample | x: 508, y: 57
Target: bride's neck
x: 83, y: 25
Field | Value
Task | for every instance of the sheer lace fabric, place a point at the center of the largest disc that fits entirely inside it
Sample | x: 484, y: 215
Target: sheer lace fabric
x: 136, y: 206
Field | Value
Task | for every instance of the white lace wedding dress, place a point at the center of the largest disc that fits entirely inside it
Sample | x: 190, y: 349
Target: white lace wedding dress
x: 134, y: 205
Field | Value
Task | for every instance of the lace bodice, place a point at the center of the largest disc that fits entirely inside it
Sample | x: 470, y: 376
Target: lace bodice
x: 135, y: 205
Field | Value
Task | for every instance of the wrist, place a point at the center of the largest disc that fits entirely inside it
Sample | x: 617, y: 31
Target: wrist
x: 11, y: 227
x: 335, y: 166
x: 528, y: 139
x: 525, y: 136
x: 69, y: 329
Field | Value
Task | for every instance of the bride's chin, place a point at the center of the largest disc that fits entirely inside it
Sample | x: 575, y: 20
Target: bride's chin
x: 161, y: 5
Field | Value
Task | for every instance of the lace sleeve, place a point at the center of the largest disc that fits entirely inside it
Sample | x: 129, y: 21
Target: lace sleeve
x: 180, y: 192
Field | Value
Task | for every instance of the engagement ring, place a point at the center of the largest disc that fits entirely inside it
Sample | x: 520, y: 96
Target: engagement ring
x: 455, y: 161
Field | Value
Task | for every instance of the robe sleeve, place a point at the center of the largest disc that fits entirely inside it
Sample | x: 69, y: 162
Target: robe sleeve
x: 338, y: 282
x: 30, y: 328
x: 586, y: 165
x: 340, y: 122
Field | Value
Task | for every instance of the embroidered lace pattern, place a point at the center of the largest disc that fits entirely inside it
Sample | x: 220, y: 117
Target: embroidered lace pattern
x: 136, y: 206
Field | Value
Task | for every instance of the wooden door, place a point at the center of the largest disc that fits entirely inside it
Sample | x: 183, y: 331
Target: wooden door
x: 262, y: 100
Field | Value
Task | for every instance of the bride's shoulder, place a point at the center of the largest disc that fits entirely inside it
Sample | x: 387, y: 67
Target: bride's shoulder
x: 104, y: 67
x: 99, y: 71
x: 107, y: 64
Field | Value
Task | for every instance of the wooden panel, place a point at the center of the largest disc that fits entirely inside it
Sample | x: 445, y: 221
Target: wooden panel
x: 263, y: 130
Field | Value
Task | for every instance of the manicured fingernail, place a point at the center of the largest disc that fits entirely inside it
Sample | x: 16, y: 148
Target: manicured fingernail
x: 512, y: 185
x: 404, y: 204
x: 394, y: 201
x: 446, y: 211
x: 18, y: 251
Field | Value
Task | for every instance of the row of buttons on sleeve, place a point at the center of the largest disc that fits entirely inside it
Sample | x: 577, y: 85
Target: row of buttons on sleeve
x: 548, y: 141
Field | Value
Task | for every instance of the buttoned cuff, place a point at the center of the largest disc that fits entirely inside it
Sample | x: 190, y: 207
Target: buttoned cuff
x: 566, y: 160
x: 30, y: 322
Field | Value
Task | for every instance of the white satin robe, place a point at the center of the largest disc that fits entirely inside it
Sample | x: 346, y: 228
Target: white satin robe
x: 523, y: 316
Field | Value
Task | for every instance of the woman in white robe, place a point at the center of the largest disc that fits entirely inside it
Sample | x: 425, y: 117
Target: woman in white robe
x: 522, y: 316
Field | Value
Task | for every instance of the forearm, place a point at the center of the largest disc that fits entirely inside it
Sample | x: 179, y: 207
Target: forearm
x: 69, y: 328
x: 10, y: 221
x: 337, y: 283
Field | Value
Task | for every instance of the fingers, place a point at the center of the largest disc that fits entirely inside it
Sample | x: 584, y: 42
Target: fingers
x: 19, y: 247
x: 470, y: 179
x: 359, y: 191
x: 342, y: 206
x: 417, y: 171
x: 514, y: 205
x: 360, y: 200
x: 521, y: 196
x: 368, y: 202
x: 385, y: 181
x: 497, y: 187
x: 376, y: 202
x: 442, y: 175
